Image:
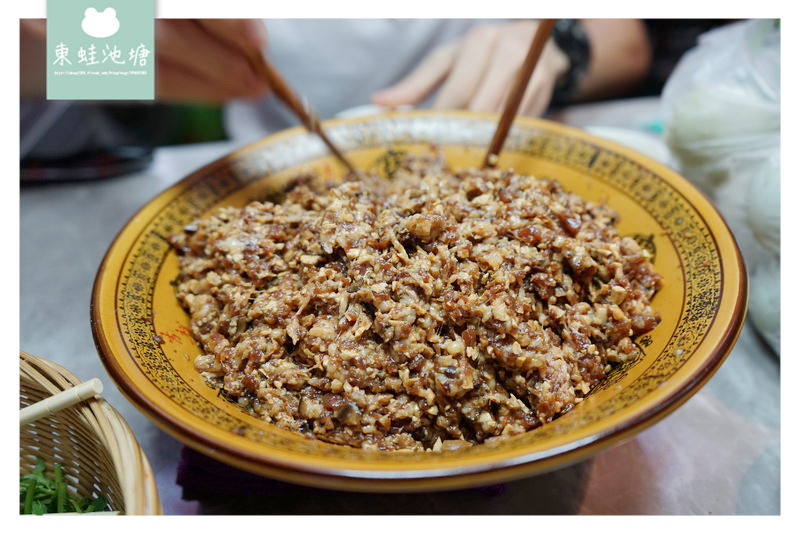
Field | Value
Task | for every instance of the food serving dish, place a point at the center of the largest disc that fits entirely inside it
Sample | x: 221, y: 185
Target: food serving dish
x: 144, y: 338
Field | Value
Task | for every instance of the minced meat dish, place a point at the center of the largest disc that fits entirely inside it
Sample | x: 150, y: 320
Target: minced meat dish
x: 433, y: 310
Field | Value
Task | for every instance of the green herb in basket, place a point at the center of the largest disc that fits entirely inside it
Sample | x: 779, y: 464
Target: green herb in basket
x: 39, y: 494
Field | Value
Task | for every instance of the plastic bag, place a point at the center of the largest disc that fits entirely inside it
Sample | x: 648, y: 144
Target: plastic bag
x: 722, y: 125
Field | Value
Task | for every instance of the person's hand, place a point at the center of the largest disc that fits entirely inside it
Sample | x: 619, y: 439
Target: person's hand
x: 32, y: 54
x: 477, y: 71
x: 207, y: 59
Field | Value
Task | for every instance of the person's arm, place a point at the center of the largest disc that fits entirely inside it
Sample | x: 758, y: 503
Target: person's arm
x: 476, y: 71
x: 620, y: 57
x: 32, y: 54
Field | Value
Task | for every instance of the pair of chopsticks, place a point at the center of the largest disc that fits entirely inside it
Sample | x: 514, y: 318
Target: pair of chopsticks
x: 311, y: 122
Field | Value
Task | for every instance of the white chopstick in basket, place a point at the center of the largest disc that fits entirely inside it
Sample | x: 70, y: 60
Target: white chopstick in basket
x: 62, y: 400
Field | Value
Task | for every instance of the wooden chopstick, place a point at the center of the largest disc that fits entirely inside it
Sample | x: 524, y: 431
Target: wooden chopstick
x: 282, y: 90
x: 518, y: 90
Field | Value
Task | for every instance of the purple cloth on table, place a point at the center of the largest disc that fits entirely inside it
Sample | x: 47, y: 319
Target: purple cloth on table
x: 199, y: 474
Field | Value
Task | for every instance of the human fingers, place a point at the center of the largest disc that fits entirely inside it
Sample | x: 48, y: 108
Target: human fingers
x: 539, y: 93
x: 32, y: 54
x: 470, y: 63
x: 177, y: 84
x: 185, y: 44
x: 536, y: 98
x: 551, y: 66
x: 494, y: 85
x: 423, y: 79
x: 508, y: 54
x: 34, y: 27
x: 246, y: 34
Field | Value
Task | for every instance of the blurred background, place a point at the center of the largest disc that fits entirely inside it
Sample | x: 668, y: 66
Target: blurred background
x: 71, y: 139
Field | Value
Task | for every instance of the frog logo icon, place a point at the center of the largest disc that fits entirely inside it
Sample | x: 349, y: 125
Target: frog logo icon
x: 100, y: 25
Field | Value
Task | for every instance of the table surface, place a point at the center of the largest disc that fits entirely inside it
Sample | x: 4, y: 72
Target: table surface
x: 717, y: 454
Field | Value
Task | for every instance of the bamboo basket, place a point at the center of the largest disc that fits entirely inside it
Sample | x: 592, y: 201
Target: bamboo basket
x: 90, y: 440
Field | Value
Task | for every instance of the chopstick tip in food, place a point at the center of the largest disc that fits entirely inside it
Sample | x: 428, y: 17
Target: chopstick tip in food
x: 543, y: 31
x: 297, y: 105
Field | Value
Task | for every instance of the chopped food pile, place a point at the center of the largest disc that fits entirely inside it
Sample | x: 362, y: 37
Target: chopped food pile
x: 430, y: 311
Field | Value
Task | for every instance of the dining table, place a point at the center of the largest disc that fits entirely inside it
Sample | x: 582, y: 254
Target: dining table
x: 717, y: 454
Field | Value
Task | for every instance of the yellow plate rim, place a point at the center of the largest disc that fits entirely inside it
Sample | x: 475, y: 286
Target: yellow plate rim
x: 427, y: 479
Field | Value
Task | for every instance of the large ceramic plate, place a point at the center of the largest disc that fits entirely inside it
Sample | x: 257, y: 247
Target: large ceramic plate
x: 144, y: 339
